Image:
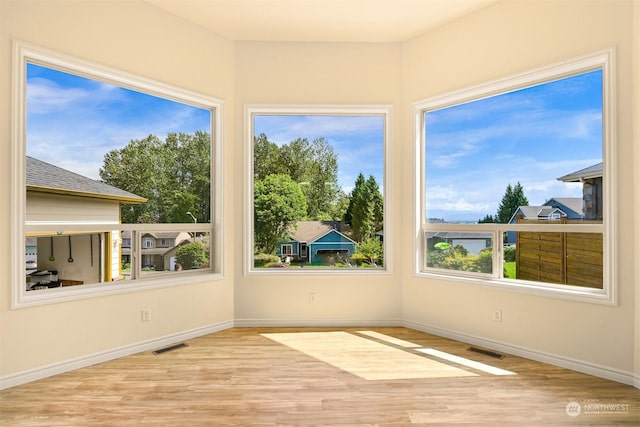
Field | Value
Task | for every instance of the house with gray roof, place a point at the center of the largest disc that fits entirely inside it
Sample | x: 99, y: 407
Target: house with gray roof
x: 553, y: 209
x: 44, y: 177
x: 591, y: 179
x: 57, y: 196
x: 157, y: 248
x: 317, y: 242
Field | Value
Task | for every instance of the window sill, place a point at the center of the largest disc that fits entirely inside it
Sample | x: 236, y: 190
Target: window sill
x: 565, y: 292
x: 74, y: 293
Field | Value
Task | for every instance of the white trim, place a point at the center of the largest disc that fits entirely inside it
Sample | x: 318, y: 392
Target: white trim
x: 30, y: 375
x: 309, y: 323
x: 326, y: 110
x: 25, y: 52
x: 604, y: 60
x: 581, y: 366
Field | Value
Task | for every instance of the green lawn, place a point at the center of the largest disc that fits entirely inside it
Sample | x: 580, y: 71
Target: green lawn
x: 510, y: 270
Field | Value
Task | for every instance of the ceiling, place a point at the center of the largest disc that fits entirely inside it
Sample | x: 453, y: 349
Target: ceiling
x: 320, y: 20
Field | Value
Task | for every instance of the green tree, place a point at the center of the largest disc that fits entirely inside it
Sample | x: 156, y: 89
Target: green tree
x: 338, y: 209
x: 267, y: 159
x: 513, y: 198
x: 322, y: 176
x: 312, y: 165
x: 366, y: 208
x: 173, y: 175
x: 278, y: 205
x: 378, y: 203
x: 371, y: 250
x: 191, y: 255
x: 137, y: 168
x: 488, y: 219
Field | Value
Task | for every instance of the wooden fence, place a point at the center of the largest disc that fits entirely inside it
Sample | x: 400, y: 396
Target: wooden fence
x: 562, y: 258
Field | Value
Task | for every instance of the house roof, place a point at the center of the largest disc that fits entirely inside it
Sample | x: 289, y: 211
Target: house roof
x: 594, y: 171
x: 45, y: 177
x: 159, y: 235
x: 532, y: 212
x: 573, y: 203
x: 310, y: 231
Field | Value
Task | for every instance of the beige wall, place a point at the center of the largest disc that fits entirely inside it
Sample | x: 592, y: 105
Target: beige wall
x: 636, y: 176
x: 139, y: 39
x: 317, y: 74
x: 504, y: 39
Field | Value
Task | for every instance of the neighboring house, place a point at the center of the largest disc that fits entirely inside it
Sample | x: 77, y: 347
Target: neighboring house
x: 56, y: 195
x: 591, y: 179
x: 157, y: 249
x: 317, y: 242
x: 579, y: 255
x: 553, y: 210
x: 472, y: 242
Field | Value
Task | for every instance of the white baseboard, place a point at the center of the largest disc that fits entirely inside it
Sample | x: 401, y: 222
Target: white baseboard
x: 552, y: 359
x: 84, y: 361
x: 309, y: 323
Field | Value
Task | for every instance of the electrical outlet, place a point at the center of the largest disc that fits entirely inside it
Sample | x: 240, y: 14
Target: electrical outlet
x: 497, y: 315
x: 145, y: 315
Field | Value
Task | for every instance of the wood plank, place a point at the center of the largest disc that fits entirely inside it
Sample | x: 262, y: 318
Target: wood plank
x: 240, y: 377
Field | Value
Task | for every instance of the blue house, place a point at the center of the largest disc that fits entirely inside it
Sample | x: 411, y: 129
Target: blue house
x: 318, y: 242
x: 553, y: 210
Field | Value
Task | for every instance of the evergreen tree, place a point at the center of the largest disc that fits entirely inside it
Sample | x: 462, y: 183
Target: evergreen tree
x: 366, y: 208
x: 513, y: 198
x: 488, y: 219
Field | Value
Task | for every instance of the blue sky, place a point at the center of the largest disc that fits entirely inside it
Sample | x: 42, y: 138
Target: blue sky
x: 473, y: 150
x: 72, y: 121
x: 356, y: 140
x: 531, y: 136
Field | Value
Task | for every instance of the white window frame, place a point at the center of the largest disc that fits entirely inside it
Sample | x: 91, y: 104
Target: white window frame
x: 315, y: 110
x: 24, y: 53
x: 608, y: 295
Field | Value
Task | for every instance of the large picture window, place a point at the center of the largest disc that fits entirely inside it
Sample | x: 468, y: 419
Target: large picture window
x: 317, y: 189
x: 517, y: 183
x: 118, y: 178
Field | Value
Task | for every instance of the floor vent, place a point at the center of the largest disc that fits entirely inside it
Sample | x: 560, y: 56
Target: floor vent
x: 170, y: 348
x: 487, y: 352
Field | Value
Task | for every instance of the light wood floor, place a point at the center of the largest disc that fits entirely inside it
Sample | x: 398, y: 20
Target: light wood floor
x: 339, y: 377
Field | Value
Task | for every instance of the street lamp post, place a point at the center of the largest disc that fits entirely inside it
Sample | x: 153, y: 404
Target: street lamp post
x: 195, y: 221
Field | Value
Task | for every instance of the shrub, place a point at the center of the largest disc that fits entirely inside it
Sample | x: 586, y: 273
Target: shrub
x: 261, y: 260
x: 510, y: 254
x: 191, y: 255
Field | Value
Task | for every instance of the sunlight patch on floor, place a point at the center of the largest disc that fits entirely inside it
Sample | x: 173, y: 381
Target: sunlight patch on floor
x: 389, y: 339
x: 365, y: 358
x: 466, y: 362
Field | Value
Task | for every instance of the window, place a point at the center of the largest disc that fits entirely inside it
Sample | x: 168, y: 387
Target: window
x: 317, y: 188
x: 516, y: 187
x: 110, y: 170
